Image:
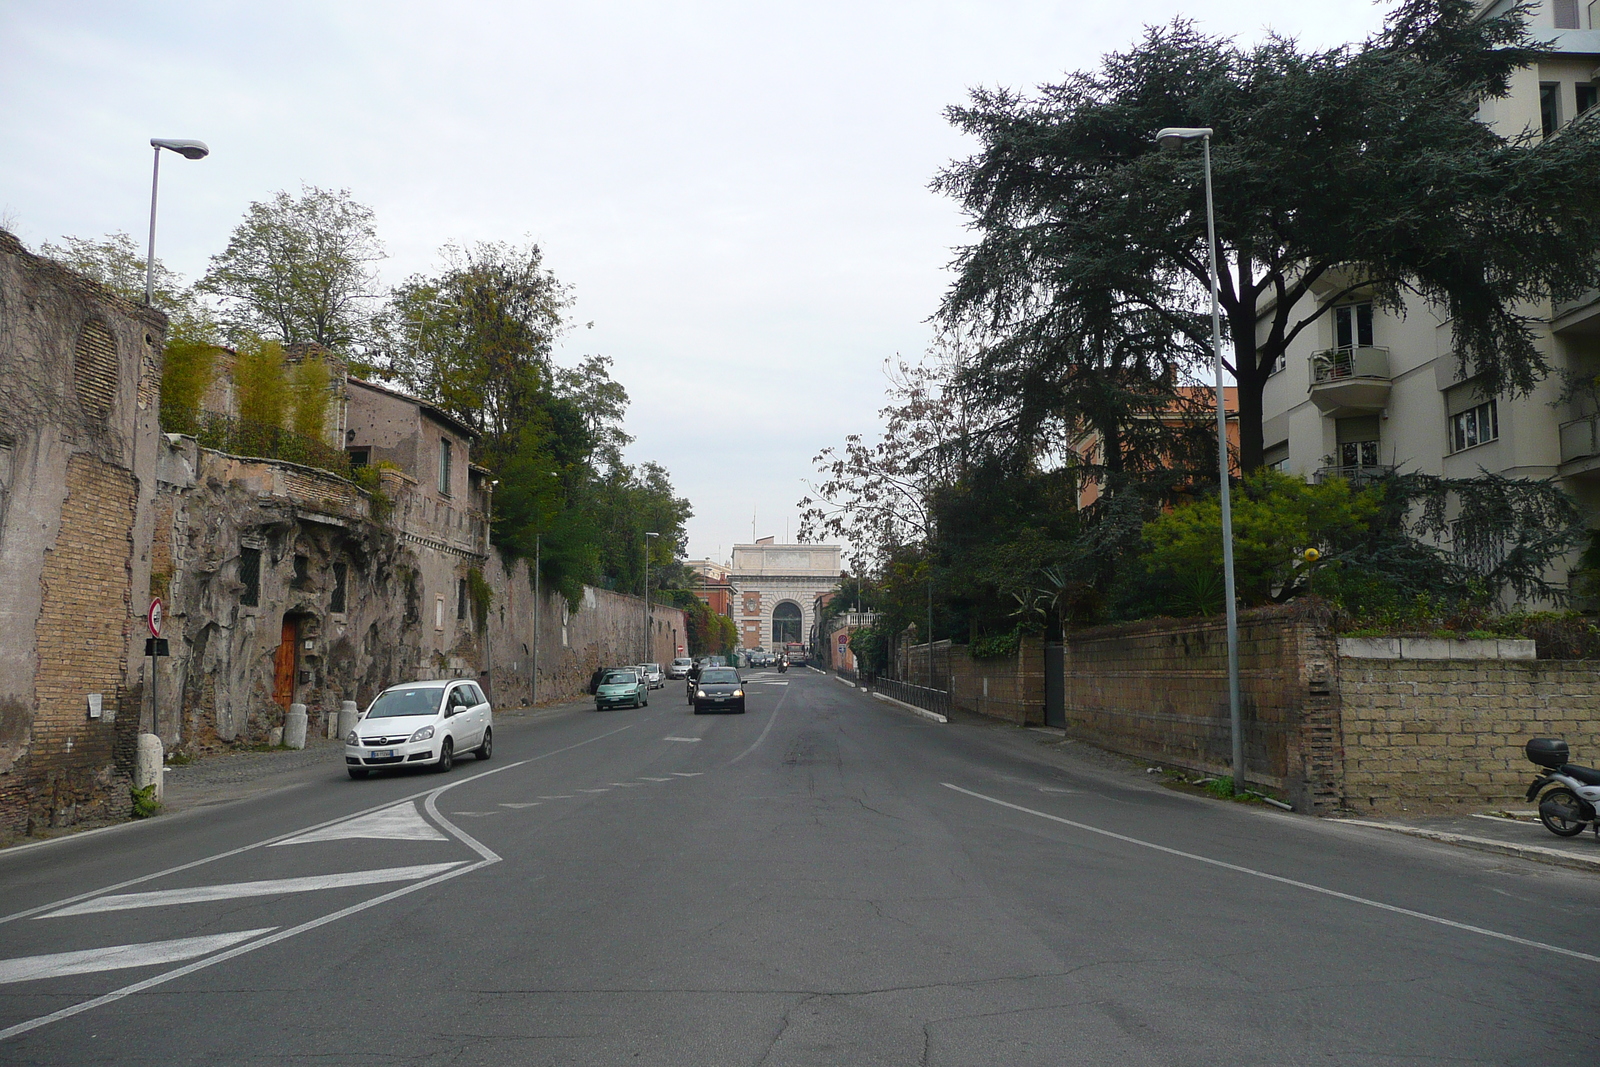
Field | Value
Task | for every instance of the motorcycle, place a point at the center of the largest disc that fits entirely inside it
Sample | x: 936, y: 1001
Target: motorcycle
x: 783, y: 666
x: 1568, y: 794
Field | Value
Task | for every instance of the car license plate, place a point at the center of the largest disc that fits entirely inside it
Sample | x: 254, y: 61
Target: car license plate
x: 381, y: 753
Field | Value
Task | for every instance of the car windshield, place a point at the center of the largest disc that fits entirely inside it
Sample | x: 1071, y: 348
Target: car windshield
x: 423, y: 700
x: 620, y: 678
x: 683, y: 662
x: 719, y: 677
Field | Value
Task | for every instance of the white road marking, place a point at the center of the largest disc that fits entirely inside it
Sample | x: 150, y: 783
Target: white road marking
x: 594, y: 790
x: 120, y: 957
x: 400, y: 823
x: 647, y: 778
x: 627, y: 785
x: 774, y: 683
x: 1310, y: 888
x: 525, y: 804
x: 558, y: 796
x: 688, y: 774
x: 475, y: 814
x: 680, y: 739
x: 233, y: 890
x: 771, y: 722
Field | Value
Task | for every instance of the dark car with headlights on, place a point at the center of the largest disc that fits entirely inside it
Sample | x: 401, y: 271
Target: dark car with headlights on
x: 719, y: 689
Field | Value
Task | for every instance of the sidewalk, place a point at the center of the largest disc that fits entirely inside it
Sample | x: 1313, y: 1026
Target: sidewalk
x: 1521, y: 835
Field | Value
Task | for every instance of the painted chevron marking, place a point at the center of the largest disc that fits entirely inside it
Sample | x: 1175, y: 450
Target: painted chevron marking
x: 233, y: 890
x: 120, y: 957
x: 400, y: 823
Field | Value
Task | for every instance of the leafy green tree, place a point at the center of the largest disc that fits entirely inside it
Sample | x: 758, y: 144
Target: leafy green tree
x: 300, y: 269
x: 1353, y: 171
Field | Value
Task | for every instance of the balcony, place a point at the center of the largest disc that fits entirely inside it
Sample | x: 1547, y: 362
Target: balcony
x: 1356, y: 476
x: 1350, y: 381
x: 1580, y: 439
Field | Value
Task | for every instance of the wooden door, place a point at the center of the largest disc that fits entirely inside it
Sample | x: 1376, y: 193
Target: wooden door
x: 283, y: 664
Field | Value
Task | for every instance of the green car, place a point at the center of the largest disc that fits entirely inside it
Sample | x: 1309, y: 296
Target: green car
x: 620, y: 687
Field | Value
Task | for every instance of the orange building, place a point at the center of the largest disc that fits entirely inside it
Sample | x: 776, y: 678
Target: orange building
x: 1201, y: 405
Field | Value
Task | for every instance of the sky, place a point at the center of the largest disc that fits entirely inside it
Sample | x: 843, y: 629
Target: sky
x: 738, y: 193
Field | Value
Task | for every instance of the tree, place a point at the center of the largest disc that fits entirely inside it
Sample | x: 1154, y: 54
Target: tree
x: 1354, y: 171
x: 300, y: 269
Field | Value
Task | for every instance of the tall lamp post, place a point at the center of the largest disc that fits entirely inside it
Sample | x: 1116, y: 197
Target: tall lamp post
x: 1171, y: 138
x: 647, y: 536
x: 188, y: 150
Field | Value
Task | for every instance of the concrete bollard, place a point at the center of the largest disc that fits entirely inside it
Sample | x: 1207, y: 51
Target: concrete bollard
x: 148, y: 764
x: 294, y: 726
x: 348, y: 714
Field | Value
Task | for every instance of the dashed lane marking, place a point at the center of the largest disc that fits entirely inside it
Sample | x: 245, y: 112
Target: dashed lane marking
x: 594, y: 790
x: 626, y: 785
x: 558, y: 796
x: 475, y: 814
x: 120, y: 957
x: 400, y: 823
x: 525, y: 804
x: 647, y: 778
x: 688, y: 774
x: 233, y: 890
x: 680, y: 739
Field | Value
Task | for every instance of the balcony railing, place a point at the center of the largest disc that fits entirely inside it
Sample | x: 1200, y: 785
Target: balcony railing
x: 1356, y: 476
x: 1580, y: 438
x: 1336, y: 364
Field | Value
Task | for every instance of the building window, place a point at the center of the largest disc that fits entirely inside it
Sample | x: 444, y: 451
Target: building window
x: 359, y: 457
x: 250, y: 576
x: 1352, y: 326
x: 302, y: 571
x: 1358, y: 439
x: 341, y: 574
x: 1277, y: 457
x: 461, y: 599
x: 1566, y: 14
x: 438, y: 613
x: 1549, y: 107
x: 444, y: 467
x: 1588, y: 95
x: 1475, y: 426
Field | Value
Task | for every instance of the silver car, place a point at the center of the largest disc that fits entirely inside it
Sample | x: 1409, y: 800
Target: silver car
x: 652, y: 675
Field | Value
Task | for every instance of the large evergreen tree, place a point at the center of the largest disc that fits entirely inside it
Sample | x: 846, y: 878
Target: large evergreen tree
x: 1357, y: 170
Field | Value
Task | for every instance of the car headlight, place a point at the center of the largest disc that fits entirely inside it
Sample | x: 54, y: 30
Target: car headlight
x: 738, y: 692
x: 353, y: 740
x: 423, y: 734
x: 699, y: 692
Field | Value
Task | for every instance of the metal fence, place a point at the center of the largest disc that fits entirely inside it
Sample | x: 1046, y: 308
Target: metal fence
x: 849, y: 676
x: 935, y: 700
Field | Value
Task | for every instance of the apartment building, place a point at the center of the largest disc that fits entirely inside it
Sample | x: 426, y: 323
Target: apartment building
x: 1370, y: 390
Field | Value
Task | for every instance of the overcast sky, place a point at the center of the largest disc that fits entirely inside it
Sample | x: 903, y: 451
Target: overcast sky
x: 737, y: 192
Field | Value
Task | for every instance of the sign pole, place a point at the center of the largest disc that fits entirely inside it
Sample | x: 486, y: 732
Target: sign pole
x: 155, y: 621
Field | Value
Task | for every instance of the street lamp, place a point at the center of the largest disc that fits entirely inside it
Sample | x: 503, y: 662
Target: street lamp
x: 188, y: 150
x: 1170, y: 138
x: 647, y: 536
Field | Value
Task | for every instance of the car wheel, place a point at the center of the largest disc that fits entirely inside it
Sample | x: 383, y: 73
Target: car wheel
x: 485, y: 750
x: 447, y: 756
x: 357, y: 773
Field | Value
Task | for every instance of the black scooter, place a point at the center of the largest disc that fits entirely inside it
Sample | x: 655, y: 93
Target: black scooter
x: 1568, y: 794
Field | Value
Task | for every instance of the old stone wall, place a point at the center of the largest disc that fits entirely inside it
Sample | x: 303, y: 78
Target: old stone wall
x: 1009, y: 688
x: 606, y: 630
x: 80, y: 368
x: 1425, y: 733
x: 1159, y: 690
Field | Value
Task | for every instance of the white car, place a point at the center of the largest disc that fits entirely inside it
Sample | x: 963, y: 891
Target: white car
x: 652, y: 675
x: 421, y: 724
x: 679, y: 668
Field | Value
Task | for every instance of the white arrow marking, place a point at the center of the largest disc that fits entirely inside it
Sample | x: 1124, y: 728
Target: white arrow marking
x: 119, y: 957
x: 233, y: 890
x: 400, y: 823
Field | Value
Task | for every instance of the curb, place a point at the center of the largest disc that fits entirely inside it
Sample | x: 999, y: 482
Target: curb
x: 924, y: 712
x: 1485, y: 844
x: 836, y: 678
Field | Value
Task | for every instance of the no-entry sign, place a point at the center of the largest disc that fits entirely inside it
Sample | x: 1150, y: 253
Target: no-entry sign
x: 155, y: 617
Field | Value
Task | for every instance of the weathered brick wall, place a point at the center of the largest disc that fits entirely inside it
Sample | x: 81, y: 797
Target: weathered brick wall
x: 1159, y: 690
x: 1009, y: 688
x: 1425, y: 733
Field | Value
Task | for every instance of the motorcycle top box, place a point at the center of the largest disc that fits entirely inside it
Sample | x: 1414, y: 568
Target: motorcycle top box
x: 1548, y: 752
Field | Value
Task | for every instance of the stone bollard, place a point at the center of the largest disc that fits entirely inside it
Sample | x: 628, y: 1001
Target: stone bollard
x: 294, y: 726
x: 348, y: 714
x: 275, y: 737
x: 147, y: 764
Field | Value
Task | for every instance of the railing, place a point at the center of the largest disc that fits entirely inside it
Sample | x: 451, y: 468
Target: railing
x: 849, y: 676
x: 1580, y: 438
x: 1336, y: 364
x: 256, y: 440
x: 1354, y: 475
x: 935, y: 700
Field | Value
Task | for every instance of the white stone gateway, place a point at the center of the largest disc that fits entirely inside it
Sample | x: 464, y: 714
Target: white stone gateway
x: 775, y: 590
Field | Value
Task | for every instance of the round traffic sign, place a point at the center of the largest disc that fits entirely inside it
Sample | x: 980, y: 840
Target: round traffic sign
x: 155, y: 617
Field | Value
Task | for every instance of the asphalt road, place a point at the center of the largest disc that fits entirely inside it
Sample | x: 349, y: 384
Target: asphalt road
x: 826, y: 880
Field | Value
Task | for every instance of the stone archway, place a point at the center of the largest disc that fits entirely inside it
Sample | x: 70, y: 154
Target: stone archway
x: 787, y: 621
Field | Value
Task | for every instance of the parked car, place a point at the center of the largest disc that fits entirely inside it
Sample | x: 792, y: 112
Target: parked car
x: 678, y: 669
x: 422, y: 724
x: 720, y: 688
x: 622, y: 686
x: 653, y: 675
